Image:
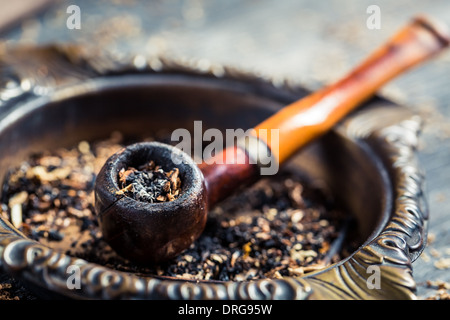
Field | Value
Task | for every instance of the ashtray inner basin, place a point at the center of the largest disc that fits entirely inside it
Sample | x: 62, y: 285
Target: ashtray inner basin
x: 140, y: 105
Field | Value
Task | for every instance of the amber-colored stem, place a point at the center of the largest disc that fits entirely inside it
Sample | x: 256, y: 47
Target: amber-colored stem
x: 307, y: 119
x: 303, y: 121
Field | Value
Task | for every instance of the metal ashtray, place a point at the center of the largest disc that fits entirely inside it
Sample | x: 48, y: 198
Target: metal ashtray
x: 56, y: 96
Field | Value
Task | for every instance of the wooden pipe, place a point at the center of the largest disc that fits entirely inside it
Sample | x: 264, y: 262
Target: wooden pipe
x: 154, y: 232
x: 309, y: 118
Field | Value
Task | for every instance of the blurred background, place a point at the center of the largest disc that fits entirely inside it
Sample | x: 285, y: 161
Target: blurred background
x: 307, y: 42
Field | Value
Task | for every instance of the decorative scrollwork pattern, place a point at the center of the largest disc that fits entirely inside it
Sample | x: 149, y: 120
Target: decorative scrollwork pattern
x: 404, y: 237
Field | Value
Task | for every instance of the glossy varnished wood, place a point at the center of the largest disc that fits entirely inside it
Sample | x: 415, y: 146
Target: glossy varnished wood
x: 223, y: 177
x: 305, y: 120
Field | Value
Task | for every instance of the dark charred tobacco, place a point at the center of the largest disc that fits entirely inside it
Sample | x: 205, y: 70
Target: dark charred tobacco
x: 149, y: 183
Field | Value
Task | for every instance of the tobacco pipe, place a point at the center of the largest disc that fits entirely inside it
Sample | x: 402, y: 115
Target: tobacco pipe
x: 154, y: 232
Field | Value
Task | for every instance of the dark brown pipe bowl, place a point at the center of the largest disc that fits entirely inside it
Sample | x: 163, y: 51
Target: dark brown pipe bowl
x: 150, y: 232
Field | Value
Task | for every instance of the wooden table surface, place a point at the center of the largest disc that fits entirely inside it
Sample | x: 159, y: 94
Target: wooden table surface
x: 308, y: 42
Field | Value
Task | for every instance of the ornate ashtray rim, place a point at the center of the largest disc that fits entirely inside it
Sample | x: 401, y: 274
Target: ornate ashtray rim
x: 390, y: 250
